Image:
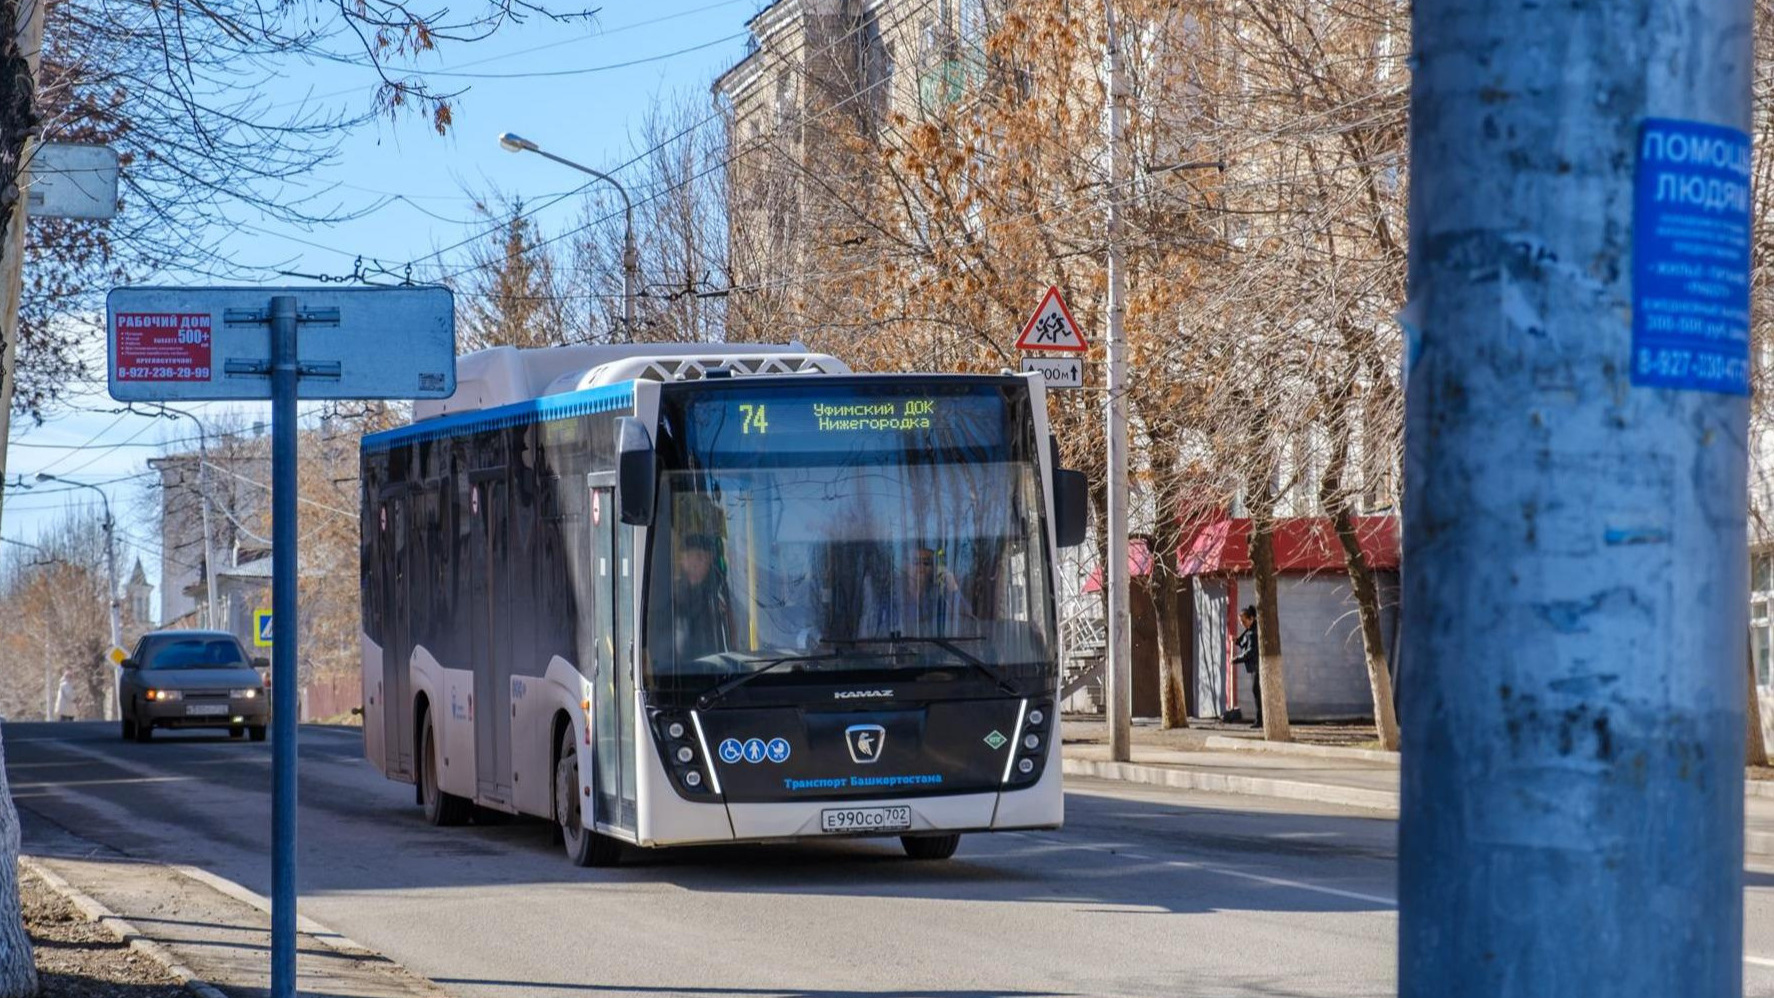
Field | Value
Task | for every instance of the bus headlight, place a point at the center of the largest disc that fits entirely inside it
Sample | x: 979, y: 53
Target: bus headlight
x: 693, y: 779
x: 686, y: 755
x: 675, y: 730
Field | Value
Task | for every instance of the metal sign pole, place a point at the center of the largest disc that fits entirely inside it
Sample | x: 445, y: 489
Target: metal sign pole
x: 284, y: 696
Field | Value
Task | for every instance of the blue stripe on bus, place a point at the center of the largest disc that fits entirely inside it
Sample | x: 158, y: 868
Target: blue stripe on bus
x: 548, y: 407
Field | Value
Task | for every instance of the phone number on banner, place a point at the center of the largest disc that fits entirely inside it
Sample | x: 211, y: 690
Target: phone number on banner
x: 163, y: 374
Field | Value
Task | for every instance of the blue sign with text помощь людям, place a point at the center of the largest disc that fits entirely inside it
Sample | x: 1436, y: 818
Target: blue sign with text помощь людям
x: 1690, y: 257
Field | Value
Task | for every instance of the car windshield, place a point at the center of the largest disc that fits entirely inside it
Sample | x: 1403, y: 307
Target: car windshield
x: 829, y: 553
x: 195, y: 653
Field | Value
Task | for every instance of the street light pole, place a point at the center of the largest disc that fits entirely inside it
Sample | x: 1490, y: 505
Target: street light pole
x: 630, y: 258
x: 209, y: 546
x: 111, y: 581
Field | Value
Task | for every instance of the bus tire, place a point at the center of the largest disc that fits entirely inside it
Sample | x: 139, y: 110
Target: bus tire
x: 440, y: 808
x: 584, y: 846
x: 930, y: 846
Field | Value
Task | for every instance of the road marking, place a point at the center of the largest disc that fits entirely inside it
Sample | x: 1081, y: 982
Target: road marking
x: 132, y: 781
x: 1224, y: 871
x: 1758, y: 961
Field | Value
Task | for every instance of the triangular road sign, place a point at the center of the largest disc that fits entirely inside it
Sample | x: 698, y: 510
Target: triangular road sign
x: 1052, y: 328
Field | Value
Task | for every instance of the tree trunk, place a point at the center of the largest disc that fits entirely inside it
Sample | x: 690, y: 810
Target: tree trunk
x: 18, y: 969
x: 19, y: 48
x: 1373, y: 642
x: 1161, y: 585
x: 1269, y: 667
x: 1333, y: 497
x: 1756, y: 745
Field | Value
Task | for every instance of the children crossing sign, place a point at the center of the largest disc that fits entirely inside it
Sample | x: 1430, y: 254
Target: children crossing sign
x: 1052, y: 328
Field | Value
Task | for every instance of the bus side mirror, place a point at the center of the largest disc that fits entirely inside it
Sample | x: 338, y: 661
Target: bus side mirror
x: 636, y: 472
x: 1071, y: 507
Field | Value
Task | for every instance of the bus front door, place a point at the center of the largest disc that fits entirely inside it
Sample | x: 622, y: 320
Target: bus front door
x: 612, y: 725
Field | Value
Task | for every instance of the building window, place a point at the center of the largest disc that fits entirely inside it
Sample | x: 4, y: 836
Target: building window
x: 1761, y: 615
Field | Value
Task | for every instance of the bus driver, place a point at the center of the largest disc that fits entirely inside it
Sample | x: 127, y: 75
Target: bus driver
x: 701, y: 617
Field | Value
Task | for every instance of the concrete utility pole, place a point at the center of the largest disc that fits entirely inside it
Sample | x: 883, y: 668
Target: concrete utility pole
x: 1575, y: 523
x: 1119, y: 663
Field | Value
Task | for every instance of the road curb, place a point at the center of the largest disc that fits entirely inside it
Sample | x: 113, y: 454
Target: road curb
x: 1236, y: 744
x: 338, y: 942
x: 1256, y: 786
x: 127, y: 933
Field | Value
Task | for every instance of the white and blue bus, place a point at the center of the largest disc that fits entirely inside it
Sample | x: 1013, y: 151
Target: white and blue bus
x: 684, y: 595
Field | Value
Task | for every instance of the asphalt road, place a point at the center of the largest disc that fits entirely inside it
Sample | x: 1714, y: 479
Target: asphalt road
x: 1144, y: 892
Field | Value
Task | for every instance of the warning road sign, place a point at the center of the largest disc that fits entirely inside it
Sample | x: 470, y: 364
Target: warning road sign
x: 1052, y: 328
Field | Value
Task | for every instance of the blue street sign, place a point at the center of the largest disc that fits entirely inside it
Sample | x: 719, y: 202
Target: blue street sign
x: 754, y: 750
x: 261, y: 628
x: 282, y: 344
x: 216, y: 343
x: 731, y: 751
x: 777, y: 750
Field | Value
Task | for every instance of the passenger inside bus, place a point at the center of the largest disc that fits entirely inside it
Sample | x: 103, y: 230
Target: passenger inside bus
x: 701, y: 617
x: 924, y: 601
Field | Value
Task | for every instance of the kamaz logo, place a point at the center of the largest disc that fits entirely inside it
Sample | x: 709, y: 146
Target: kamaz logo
x: 861, y: 694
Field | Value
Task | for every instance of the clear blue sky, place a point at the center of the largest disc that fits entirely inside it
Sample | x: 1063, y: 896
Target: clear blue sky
x: 590, y: 111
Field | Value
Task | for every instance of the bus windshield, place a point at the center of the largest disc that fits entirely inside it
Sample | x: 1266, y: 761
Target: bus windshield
x: 813, y: 533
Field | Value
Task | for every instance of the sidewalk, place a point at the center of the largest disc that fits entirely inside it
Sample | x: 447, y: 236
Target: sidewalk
x: 1235, y: 759
x: 210, y: 934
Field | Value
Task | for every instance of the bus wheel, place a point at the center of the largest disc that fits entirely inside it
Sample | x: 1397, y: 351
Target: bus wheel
x: 584, y: 846
x: 440, y: 808
x: 930, y: 846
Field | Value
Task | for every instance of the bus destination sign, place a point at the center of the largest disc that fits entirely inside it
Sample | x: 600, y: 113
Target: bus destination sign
x: 804, y: 422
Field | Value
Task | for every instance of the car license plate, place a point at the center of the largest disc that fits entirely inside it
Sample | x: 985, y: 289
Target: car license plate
x: 206, y: 710
x: 865, y: 819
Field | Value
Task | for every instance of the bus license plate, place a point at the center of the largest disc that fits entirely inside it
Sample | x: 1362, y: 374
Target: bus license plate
x: 206, y: 709
x: 865, y: 819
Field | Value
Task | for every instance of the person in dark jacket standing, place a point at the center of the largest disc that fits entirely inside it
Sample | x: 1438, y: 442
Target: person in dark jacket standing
x: 1250, y: 656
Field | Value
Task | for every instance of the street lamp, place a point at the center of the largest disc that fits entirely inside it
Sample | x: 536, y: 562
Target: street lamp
x: 513, y: 142
x: 209, y: 547
x: 110, y: 575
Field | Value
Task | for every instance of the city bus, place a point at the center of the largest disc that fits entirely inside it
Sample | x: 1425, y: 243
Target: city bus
x: 680, y: 595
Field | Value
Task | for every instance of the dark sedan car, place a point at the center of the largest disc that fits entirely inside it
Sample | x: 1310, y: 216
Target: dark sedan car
x: 192, y: 679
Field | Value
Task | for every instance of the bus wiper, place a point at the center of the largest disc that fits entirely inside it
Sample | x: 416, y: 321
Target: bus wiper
x: 948, y: 644
x: 732, y: 683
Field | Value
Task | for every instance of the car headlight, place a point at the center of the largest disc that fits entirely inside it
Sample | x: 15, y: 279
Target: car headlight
x: 165, y: 695
x: 243, y: 694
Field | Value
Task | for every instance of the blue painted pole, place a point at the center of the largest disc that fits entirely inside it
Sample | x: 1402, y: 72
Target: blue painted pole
x: 1574, y: 586
x: 285, y: 698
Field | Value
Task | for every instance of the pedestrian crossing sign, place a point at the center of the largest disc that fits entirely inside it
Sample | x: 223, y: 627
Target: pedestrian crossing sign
x: 262, y: 628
